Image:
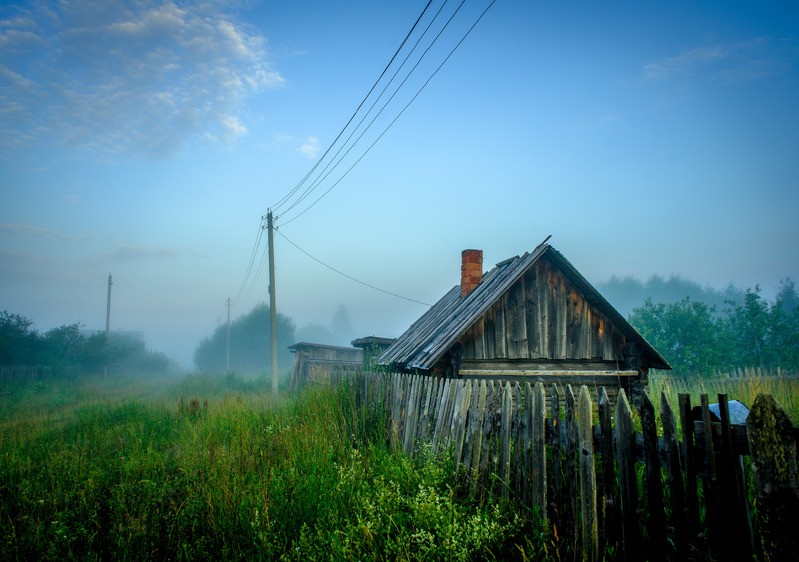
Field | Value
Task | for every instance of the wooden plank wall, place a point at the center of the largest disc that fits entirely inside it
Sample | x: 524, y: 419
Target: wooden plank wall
x: 543, y: 316
x: 510, y: 442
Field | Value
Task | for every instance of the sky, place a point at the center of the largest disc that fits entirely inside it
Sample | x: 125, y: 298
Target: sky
x: 146, y: 140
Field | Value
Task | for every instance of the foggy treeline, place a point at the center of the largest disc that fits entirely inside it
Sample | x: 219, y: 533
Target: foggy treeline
x: 698, y: 330
x: 68, y: 351
x: 627, y: 293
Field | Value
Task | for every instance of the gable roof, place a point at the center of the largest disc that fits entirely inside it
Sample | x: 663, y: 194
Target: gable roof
x: 427, y: 340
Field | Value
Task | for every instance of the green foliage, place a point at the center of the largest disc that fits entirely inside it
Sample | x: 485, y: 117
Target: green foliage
x: 695, y: 339
x: 250, y: 349
x: 19, y: 342
x: 239, y: 477
x: 627, y: 293
x: 685, y: 333
x: 68, y: 352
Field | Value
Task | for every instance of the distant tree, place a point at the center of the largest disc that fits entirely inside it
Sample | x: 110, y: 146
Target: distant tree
x: 784, y: 320
x: 250, y: 348
x: 627, y: 293
x: 315, y: 333
x: 64, y: 348
x: 686, y: 333
x: 19, y: 342
x: 341, y: 326
x: 747, y: 327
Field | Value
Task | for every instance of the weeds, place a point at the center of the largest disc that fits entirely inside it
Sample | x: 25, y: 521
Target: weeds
x: 213, y: 467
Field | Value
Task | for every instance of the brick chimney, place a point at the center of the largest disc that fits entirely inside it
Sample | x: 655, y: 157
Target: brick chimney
x: 471, y: 270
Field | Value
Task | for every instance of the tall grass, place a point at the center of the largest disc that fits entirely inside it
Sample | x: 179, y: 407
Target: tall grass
x: 214, y: 467
x: 783, y: 387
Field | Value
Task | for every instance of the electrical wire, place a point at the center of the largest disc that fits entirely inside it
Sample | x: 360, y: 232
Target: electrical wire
x: 277, y: 205
x: 419, y: 91
x: 65, y: 297
x: 320, y: 178
x: 253, y: 255
x: 137, y: 293
x: 350, y: 277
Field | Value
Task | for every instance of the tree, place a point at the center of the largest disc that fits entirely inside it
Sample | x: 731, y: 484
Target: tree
x: 686, y: 333
x: 747, y: 327
x: 341, y: 326
x: 19, y: 342
x: 784, y: 321
x: 250, y: 350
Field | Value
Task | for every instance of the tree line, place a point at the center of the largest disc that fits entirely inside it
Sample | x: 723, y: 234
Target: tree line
x: 250, y: 347
x: 698, y: 338
x: 67, y: 351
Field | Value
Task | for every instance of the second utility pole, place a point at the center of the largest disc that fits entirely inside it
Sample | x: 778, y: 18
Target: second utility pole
x: 272, y: 309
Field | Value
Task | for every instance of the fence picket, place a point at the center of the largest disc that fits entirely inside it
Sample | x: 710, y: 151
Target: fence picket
x: 505, y: 424
x: 710, y: 478
x: 570, y: 480
x: 734, y: 507
x: 774, y: 456
x: 556, y: 495
x: 654, y: 485
x: 538, y: 450
x: 588, y: 512
x: 608, y: 512
x: 674, y: 472
x: 460, y: 421
x: 689, y: 450
x: 628, y: 484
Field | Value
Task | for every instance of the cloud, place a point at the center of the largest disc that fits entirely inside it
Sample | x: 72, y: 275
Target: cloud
x: 731, y: 62
x: 310, y: 148
x: 33, y: 231
x: 140, y: 253
x: 116, y: 76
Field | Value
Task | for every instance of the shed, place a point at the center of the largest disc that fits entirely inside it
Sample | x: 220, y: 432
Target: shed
x: 532, y: 317
x: 321, y: 363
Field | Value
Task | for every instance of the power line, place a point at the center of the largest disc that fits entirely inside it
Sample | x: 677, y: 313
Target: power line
x: 424, y: 85
x: 282, y: 201
x: 253, y: 256
x: 320, y: 178
x: 350, y: 277
x: 419, y: 91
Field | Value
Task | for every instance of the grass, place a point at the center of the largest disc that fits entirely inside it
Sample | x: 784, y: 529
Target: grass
x: 214, y: 467
x: 784, y: 388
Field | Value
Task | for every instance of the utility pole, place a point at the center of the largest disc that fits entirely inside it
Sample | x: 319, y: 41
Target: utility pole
x: 272, y: 309
x: 107, y: 322
x: 227, y: 352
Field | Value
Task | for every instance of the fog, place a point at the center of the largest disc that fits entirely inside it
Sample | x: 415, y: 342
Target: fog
x: 646, y: 139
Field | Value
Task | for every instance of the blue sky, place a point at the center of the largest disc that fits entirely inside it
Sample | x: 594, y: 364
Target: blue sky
x: 146, y: 140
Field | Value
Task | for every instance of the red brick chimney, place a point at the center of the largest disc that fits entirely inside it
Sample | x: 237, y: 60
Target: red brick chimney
x: 471, y: 270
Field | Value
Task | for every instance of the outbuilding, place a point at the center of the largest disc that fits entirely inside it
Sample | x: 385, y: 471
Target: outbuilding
x: 532, y: 317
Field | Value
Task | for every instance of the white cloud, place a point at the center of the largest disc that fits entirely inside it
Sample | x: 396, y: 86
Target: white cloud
x: 116, y: 76
x: 310, y: 148
x: 732, y: 62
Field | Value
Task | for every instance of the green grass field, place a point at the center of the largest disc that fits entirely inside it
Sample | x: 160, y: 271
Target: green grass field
x: 210, y: 467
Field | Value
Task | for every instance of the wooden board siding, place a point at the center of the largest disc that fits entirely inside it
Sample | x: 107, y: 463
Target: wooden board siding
x: 543, y: 316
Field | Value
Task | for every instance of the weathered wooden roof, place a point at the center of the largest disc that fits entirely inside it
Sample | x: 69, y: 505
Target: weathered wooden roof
x: 426, y: 341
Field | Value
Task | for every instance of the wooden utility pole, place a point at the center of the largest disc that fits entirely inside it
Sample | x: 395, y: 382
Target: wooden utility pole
x: 272, y: 309
x: 227, y: 348
x: 107, y: 322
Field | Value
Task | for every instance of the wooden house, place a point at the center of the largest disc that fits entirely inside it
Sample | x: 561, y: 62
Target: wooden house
x: 533, y: 317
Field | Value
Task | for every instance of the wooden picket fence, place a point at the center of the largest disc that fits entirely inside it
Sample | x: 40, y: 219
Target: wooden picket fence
x: 606, y: 490
x: 23, y: 373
